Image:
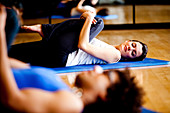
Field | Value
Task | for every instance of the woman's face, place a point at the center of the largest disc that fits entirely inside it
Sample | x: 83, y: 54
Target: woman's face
x: 131, y: 49
x: 96, y: 82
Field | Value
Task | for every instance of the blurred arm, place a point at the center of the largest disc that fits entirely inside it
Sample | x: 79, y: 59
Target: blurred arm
x: 80, y: 7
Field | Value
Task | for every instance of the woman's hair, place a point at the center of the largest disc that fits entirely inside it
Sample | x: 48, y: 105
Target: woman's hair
x: 141, y: 57
x: 103, y: 12
x: 122, y: 97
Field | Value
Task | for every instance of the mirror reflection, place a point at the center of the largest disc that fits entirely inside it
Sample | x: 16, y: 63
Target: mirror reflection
x: 112, y: 11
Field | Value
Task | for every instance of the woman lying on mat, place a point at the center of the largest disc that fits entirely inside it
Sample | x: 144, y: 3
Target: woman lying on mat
x: 68, y: 43
x: 67, y: 9
x: 38, y: 89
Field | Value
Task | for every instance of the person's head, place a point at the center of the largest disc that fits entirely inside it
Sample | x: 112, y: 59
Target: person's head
x: 103, y: 11
x: 113, y: 91
x: 94, y: 2
x: 133, y: 50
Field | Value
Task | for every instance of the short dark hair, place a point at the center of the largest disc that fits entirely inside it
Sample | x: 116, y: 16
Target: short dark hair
x: 141, y: 57
x: 9, y: 3
x: 124, y: 96
x: 103, y: 12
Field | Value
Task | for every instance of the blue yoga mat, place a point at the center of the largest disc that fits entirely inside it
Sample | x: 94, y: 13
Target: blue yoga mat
x: 144, y: 110
x: 108, y: 17
x: 145, y: 62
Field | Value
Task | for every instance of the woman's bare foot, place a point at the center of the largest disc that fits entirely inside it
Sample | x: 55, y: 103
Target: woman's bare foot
x: 34, y: 28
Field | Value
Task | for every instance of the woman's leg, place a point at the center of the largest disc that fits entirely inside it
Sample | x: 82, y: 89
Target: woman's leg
x: 96, y: 28
x: 47, y: 31
x: 33, y: 28
x: 28, y: 52
x: 66, y: 35
x: 63, y: 39
x: 59, y: 40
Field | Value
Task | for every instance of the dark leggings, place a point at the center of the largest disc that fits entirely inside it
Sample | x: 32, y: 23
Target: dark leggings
x: 59, y: 40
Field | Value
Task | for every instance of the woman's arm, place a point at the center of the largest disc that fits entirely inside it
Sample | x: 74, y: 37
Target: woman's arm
x: 108, y: 54
x: 7, y: 82
x: 80, y: 7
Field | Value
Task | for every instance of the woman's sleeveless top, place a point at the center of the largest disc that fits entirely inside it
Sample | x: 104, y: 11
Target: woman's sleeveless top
x: 39, y: 77
x: 80, y: 57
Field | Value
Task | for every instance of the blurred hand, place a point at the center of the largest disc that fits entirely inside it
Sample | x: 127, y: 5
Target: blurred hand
x: 3, y: 16
x: 88, y: 14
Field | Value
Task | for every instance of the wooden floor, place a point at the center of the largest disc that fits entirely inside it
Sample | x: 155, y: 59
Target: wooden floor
x: 154, y: 80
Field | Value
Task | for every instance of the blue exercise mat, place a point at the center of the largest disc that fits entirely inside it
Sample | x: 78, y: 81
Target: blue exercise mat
x: 145, y: 62
x: 144, y: 110
x: 108, y: 17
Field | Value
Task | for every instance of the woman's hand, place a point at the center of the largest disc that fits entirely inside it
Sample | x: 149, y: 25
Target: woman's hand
x: 90, y: 15
x: 87, y: 14
x: 3, y: 16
